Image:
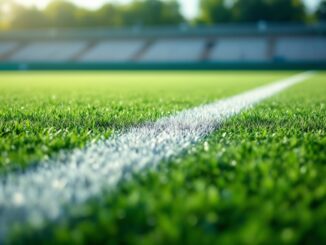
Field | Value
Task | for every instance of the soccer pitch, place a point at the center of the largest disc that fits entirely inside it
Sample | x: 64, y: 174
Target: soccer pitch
x: 259, y: 177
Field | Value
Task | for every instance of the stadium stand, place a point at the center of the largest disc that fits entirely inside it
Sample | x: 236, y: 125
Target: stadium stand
x: 263, y: 46
x: 175, y: 50
x: 240, y: 49
x: 301, y: 49
x: 51, y: 51
x: 113, y: 51
x: 6, y: 47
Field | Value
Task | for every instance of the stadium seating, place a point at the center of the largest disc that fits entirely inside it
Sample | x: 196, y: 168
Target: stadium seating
x: 113, y: 51
x: 6, y: 47
x: 175, y: 50
x: 301, y: 49
x: 240, y: 50
x: 49, y: 51
x: 155, y: 47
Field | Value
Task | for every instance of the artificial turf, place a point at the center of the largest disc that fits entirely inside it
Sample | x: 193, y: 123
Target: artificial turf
x: 42, y: 113
x: 259, y: 179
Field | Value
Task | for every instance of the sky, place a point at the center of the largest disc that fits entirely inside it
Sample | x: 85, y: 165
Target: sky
x: 189, y: 7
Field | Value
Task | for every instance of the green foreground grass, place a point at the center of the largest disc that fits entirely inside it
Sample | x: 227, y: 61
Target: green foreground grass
x: 259, y: 179
x: 42, y: 113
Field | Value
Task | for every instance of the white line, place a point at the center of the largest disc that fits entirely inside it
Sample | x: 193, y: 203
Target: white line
x: 39, y: 194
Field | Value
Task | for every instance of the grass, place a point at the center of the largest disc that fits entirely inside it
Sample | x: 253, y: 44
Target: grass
x: 259, y: 179
x: 42, y: 113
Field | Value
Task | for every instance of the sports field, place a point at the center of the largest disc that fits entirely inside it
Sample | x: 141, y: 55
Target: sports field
x: 255, y: 177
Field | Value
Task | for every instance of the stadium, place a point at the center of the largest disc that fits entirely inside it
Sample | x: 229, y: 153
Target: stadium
x: 162, y: 122
x: 224, y: 46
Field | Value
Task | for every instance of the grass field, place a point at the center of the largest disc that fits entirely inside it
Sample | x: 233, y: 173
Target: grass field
x: 259, y: 179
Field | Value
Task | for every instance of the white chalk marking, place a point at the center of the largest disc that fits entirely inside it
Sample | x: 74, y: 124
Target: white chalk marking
x: 40, y: 194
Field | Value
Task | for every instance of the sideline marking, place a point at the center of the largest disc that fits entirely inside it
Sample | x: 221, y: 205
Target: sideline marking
x: 39, y: 195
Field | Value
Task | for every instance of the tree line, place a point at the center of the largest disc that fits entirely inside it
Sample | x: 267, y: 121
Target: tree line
x: 61, y: 14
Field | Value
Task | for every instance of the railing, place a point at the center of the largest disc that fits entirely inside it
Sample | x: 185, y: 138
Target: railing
x: 261, y: 28
x: 166, y: 66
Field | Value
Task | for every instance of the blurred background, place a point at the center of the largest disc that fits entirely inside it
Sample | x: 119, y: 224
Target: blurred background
x: 162, y: 34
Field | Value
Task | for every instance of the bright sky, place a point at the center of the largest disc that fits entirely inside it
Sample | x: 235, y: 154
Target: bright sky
x: 189, y: 7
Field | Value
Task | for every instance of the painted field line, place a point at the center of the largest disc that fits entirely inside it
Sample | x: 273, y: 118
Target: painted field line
x: 40, y: 194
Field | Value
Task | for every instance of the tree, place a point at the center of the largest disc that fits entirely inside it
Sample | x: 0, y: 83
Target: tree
x: 61, y: 14
x: 27, y: 18
x: 152, y: 13
x: 270, y: 10
x: 110, y: 15
x: 214, y: 11
x: 321, y: 11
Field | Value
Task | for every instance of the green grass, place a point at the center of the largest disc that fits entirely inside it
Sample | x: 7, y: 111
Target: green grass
x: 42, y: 113
x: 261, y: 180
